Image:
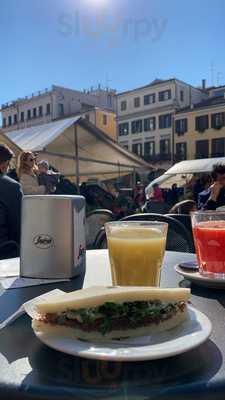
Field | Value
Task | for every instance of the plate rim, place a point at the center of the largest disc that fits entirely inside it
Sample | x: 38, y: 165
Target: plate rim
x: 198, y: 277
x: 206, y: 327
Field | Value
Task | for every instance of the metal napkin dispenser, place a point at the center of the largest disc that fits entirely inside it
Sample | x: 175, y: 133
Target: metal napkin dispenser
x: 52, y: 236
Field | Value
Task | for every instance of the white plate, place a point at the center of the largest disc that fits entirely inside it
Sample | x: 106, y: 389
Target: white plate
x: 198, y: 279
x: 188, y: 335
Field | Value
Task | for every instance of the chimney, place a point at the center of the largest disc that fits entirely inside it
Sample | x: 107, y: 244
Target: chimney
x: 203, y: 84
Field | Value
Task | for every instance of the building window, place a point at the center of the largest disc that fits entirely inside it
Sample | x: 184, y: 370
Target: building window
x: 104, y: 119
x: 181, y: 126
x: 40, y: 111
x: 34, y: 112
x: 218, y: 147
x: 109, y: 100
x: 125, y: 146
x: 165, y: 95
x: 219, y: 94
x: 124, y: 129
x: 123, y: 105
x: 149, y: 124
x: 4, y: 122
x: 149, y: 150
x: 22, y: 116
x: 164, y: 146
x: 87, y: 117
x: 217, y: 120
x: 137, y: 148
x: 9, y: 120
x: 48, y: 109
x: 28, y: 114
x: 15, y: 119
x: 181, y: 95
x: 165, y: 121
x: 181, y: 151
x: 202, y: 148
x: 136, y: 126
x: 61, y: 109
x: 202, y: 123
x: 149, y: 99
x: 137, y: 102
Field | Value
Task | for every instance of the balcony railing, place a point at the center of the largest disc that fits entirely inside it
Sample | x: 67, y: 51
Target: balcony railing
x: 164, y: 157
x: 158, y: 157
x: 150, y: 158
x: 219, y: 154
x: 200, y: 155
x: 180, y: 157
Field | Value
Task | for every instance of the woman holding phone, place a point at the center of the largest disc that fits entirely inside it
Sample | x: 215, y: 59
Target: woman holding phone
x: 27, y: 173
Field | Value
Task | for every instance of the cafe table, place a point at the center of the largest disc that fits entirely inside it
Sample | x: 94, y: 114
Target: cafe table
x: 31, y: 370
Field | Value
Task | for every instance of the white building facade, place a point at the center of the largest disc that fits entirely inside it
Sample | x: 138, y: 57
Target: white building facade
x: 146, y: 114
x: 51, y: 104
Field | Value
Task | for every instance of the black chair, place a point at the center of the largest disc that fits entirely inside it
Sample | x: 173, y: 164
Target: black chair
x: 94, y: 221
x: 155, y: 207
x: 9, y: 249
x: 185, y: 219
x: 100, y: 240
x: 178, y: 238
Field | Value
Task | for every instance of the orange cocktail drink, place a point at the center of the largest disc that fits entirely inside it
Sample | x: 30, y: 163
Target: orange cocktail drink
x: 209, y: 238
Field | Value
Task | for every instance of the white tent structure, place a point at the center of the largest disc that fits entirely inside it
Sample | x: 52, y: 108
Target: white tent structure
x: 183, y: 171
x: 76, y: 148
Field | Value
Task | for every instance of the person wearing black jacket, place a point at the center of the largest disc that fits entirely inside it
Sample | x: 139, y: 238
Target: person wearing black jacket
x: 217, y: 190
x: 10, y: 207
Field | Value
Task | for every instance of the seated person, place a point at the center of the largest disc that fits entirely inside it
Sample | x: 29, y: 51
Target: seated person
x: 27, y: 174
x: 47, y: 177
x: 10, y: 205
x: 217, y: 190
x: 157, y: 194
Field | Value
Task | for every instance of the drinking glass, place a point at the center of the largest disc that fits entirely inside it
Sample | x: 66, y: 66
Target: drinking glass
x: 209, y: 237
x: 136, y: 251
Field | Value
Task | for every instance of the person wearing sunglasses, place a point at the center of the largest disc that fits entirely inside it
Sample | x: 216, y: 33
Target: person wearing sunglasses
x: 28, y: 174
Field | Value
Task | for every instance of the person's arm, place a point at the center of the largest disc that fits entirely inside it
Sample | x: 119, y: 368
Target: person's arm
x: 211, y: 204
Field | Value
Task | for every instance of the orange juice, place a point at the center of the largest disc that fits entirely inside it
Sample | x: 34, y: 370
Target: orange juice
x: 136, y: 255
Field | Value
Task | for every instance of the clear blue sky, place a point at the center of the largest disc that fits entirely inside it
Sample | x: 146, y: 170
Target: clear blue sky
x: 122, y: 43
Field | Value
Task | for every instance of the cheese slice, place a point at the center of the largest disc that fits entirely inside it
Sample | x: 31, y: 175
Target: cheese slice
x: 97, y: 295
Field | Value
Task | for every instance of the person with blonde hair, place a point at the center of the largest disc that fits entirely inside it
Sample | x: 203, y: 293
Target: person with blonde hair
x: 27, y: 173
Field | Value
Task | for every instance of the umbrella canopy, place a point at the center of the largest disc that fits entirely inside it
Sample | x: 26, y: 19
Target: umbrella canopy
x: 195, y: 166
x: 75, y: 146
x: 181, y: 172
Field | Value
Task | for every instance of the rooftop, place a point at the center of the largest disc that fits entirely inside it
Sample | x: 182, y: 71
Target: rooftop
x: 28, y: 97
x: 158, y: 82
x: 210, y: 102
x: 153, y: 83
x: 92, y: 91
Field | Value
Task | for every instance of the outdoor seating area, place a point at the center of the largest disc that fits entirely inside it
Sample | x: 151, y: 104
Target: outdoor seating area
x: 65, y: 245
x: 112, y: 200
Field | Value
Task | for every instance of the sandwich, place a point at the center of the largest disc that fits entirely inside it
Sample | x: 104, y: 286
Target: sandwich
x: 101, y: 313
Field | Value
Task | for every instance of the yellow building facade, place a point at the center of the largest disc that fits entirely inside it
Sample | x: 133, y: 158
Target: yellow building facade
x: 104, y: 120
x: 199, y: 132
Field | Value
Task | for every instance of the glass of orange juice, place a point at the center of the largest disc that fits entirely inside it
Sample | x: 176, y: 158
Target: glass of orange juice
x: 136, y: 251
